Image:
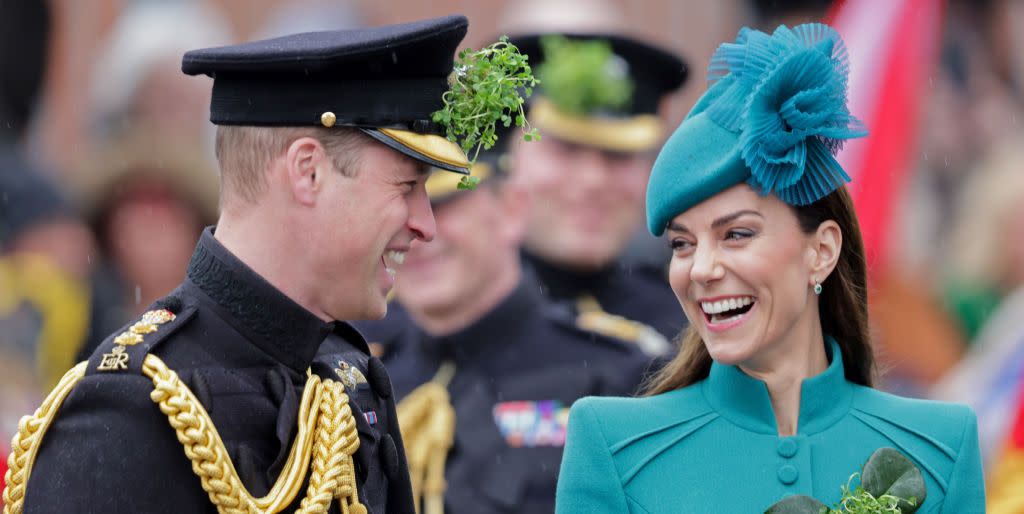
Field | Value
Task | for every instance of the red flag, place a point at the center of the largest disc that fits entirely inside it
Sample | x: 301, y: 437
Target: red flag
x: 892, y: 45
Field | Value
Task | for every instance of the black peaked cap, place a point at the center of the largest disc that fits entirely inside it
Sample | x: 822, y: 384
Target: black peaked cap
x: 382, y: 77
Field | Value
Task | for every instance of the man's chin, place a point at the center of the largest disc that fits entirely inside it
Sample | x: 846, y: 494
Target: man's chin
x: 373, y: 308
x: 585, y: 259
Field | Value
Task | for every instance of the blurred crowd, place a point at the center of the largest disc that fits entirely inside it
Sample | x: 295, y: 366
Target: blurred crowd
x: 107, y: 177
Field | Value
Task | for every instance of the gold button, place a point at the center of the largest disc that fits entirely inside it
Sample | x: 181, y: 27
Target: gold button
x: 328, y: 119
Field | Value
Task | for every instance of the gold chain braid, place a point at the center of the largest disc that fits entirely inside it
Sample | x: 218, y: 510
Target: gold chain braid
x: 336, y: 441
x: 26, y: 442
x: 427, y: 420
x: 326, y: 402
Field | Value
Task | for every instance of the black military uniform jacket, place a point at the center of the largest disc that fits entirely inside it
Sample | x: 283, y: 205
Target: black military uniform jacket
x: 243, y: 348
x: 517, y: 371
x: 638, y: 293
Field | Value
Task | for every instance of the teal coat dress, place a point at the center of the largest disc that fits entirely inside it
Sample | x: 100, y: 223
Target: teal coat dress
x: 713, y: 447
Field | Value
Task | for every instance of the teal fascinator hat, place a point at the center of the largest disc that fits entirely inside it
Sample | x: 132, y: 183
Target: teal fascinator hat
x: 774, y: 117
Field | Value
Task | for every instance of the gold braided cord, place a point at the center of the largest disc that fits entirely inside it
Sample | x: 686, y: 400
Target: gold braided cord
x: 427, y: 420
x: 333, y: 474
x: 326, y: 435
x: 335, y: 432
x: 27, y: 441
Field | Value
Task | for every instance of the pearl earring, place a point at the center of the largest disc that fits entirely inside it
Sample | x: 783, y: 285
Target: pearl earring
x: 817, y: 288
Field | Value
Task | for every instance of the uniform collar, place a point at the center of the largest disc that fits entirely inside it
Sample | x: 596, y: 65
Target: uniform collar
x: 565, y: 283
x: 744, y: 400
x: 273, y: 322
x: 503, y: 324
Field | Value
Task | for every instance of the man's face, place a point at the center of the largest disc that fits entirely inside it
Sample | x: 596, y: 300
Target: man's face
x: 473, y: 238
x: 364, y: 225
x: 586, y: 203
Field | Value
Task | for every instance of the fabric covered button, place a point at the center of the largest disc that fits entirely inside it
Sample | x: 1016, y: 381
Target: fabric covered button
x: 788, y: 474
x: 389, y: 457
x: 787, y: 448
x: 378, y: 378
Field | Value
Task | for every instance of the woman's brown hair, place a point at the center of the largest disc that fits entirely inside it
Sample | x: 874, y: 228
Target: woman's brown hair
x: 842, y: 306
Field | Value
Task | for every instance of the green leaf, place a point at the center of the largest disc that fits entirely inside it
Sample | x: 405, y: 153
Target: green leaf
x: 468, y: 182
x: 484, y: 91
x: 797, y: 505
x: 888, y: 472
x: 581, y: 77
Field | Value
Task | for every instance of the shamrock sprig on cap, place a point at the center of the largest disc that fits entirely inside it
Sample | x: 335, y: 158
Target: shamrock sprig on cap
x: 584, y: 76
x: 487, y: 87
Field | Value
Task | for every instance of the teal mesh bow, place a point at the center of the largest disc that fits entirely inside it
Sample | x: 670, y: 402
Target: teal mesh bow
x: 786, y: 96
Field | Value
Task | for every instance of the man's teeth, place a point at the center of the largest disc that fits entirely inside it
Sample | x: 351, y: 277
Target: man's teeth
x: 395, y: 256
x: 726, y: 305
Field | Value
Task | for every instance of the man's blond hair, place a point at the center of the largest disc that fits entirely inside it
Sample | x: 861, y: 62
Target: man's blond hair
x: 244, y: 154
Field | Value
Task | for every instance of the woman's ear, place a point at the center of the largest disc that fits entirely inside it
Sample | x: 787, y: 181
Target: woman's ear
x: 826, y: 243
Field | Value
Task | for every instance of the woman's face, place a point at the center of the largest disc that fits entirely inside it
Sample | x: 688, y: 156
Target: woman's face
x: 744, y: 271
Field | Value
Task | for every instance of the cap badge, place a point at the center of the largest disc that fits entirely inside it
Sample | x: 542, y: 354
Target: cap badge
x: 349, y: 375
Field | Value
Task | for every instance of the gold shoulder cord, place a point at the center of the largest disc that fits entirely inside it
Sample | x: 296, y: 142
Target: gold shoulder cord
x: 30, y: 433
x: 427, y: 420
x: 326, y: 435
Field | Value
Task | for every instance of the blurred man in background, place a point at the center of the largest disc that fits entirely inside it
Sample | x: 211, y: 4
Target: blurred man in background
x: 470, y: 328
x: 597, y: 111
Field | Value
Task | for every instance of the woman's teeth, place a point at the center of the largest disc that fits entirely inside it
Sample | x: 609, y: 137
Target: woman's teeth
x: 721, y: 310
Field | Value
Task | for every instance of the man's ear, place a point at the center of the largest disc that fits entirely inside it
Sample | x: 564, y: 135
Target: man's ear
x: 826, y: 243
x: 515, y: 205
x: 307, y: 165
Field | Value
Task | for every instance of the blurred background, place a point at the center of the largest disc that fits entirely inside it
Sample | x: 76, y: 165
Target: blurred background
x: 107, y: 173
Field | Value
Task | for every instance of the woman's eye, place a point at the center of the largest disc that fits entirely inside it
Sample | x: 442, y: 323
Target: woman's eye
x: 679, y: 244
x: 738, y: 234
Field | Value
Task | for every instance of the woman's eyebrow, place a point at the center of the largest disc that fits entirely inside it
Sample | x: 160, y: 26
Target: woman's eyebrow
x: 729, y: 218
x: 677, y: 227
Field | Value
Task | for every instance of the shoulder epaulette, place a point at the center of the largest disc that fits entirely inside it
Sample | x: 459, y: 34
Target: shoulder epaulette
x: 126, y: 350
x: 650, y: 341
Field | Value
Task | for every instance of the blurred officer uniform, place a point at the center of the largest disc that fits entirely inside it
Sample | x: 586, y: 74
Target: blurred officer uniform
x: 483, y: 363
x: 597, y: 111
x: 235, y: 393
